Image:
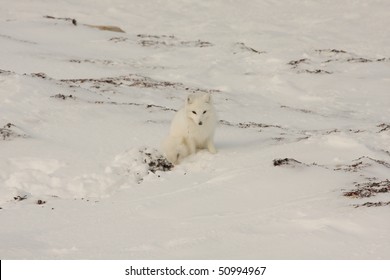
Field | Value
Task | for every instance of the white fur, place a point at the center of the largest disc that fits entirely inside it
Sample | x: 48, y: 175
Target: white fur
x: 192, y: 128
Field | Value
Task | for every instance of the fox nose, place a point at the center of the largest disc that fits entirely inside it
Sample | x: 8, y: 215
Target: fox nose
x: 200, y: 123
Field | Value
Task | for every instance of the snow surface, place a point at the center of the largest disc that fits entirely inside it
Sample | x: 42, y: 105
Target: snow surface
x: 80, y: 108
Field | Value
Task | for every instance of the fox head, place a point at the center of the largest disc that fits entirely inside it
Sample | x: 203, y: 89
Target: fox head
x: 198, y: 107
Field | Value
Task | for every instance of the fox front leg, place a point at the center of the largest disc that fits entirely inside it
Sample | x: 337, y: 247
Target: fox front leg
x: 191, y: 146
x: 211, y: 147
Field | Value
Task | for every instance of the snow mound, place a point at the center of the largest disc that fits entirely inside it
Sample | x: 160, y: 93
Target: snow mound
x: 139, y: 163
x: 41, y: 178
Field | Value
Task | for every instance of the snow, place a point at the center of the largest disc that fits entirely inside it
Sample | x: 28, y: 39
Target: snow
x: 83, y: 113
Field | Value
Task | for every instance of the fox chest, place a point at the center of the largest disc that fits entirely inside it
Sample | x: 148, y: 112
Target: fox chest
x: 198, y: 134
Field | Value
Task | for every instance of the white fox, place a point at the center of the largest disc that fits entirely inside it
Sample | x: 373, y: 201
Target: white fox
x: 192, y: 128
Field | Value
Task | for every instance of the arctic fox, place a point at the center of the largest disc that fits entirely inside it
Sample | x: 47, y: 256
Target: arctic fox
x: 192, y: 128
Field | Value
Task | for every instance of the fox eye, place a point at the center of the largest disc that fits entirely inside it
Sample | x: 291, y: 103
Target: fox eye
x: 194, y: 112
x: 204, y: 112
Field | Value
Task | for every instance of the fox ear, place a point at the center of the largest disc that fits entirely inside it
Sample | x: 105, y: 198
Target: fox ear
x: 207, y: 98
x: 189, y: 100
